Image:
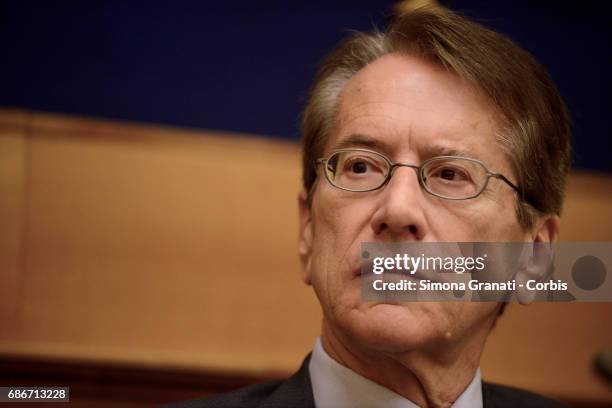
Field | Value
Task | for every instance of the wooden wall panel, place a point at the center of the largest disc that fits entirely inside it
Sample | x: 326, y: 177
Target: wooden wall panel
x: 549, y: 348
x: 587, y: 213
x: 13, y: 190
x: 163, y: 247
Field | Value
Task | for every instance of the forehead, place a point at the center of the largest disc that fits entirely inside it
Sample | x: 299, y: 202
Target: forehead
x: 403, y: 104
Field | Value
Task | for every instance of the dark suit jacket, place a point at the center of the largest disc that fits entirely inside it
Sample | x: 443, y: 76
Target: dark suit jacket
x: 296, y: 392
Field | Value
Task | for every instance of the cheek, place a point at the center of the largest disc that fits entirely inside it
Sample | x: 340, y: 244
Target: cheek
x: 484, y: 219
x: 340, y: 218
x: 501, y: 222
x: 340, y: 224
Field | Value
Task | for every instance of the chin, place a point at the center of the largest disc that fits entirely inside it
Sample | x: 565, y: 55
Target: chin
x: 392, y: 327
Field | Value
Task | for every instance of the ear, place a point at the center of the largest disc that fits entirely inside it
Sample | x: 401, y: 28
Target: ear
x: 547, y: 229
x: 305, y: 236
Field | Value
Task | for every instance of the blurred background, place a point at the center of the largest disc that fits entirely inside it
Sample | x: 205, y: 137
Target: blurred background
x: 149, y: 169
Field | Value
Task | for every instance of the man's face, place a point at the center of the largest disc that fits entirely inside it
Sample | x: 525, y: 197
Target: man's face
x: 410, y: 111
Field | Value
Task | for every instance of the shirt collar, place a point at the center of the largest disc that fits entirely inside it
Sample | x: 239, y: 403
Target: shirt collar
x: 335, y: 385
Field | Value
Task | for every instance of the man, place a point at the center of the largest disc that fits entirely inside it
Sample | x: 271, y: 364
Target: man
x: 435, y: 84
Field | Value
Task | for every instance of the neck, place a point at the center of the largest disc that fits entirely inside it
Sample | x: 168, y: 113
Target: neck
x: 435, y: 377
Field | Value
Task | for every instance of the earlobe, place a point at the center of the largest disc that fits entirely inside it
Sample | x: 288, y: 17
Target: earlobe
x: 305, y: 236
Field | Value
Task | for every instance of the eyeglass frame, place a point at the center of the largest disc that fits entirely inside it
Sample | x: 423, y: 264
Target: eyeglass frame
x: 419, y: 170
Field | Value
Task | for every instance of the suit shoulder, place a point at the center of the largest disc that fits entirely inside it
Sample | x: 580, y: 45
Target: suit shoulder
x: 251, y: 396
x: 295, y: 392
x: 501, y: 396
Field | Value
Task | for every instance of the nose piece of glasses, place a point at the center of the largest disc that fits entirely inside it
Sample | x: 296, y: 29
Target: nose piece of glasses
x: 420, y: 176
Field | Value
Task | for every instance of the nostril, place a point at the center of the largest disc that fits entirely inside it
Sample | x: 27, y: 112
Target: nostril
x: 384, y: 226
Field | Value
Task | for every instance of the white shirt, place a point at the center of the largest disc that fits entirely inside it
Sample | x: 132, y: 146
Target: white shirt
x: 336, y: 386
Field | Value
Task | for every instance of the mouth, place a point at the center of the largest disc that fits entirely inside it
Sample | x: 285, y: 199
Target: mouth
x: 364, y: 272
x: 357, y: 272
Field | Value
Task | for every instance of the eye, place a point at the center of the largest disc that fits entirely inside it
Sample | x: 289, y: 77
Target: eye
x: 450, y: 174
x: 357, y: 170
x: 359, y: 167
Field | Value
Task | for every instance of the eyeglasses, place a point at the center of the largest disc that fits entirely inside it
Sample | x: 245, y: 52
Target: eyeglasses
x: 448, y: 177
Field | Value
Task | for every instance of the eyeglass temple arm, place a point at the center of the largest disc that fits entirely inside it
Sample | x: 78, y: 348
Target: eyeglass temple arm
x: 511, y: 184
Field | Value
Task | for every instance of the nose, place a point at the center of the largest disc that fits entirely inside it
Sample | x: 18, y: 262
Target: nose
x: 399, y: 215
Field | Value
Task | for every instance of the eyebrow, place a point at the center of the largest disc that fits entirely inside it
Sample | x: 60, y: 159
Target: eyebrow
x: 365, y: 141
x: 440, y: 150
x: 361, y: 140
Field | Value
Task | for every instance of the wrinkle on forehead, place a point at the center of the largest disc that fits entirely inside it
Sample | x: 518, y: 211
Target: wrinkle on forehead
x: 413, y: 103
